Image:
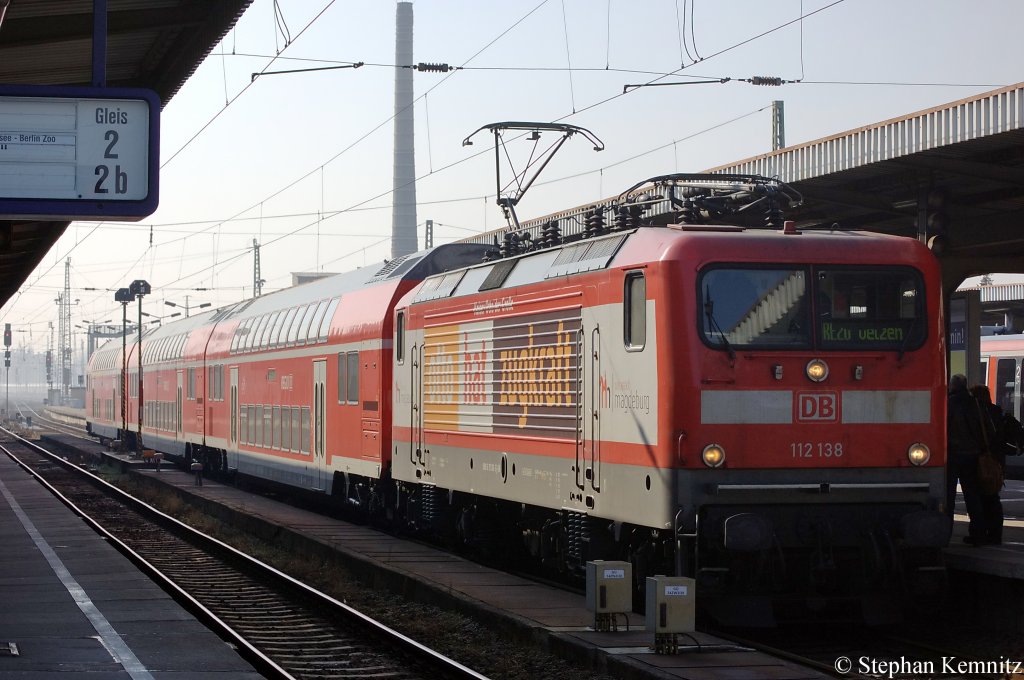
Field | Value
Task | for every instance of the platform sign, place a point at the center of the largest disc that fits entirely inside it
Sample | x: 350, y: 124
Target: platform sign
x: 78, y: 153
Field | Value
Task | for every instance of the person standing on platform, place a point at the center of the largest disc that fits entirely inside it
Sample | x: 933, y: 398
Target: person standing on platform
x: 965, y: 439
x: 992, y: 507
x: 197, y: 468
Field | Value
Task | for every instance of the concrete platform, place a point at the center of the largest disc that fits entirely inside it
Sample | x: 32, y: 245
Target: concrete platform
x: 73, y: 606
x: 1004, y: 561
x: 534, y: 610
x: 409, y: 567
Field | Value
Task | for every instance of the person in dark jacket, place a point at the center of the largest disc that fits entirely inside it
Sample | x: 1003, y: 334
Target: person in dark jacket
x: 991, y: 506
x: 965, y: 440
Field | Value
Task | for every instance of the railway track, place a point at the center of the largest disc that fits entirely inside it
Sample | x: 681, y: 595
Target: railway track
x: 870, y: 652
x: 41, y: 419
x: 285, y: 628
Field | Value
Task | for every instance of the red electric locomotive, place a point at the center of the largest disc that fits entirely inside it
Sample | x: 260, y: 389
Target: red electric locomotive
x: 762, y: 409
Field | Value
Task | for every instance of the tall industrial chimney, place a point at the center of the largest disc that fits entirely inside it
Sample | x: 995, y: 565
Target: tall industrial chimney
x: 403, y: 215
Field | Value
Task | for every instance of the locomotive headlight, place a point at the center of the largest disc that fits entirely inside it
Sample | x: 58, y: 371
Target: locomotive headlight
x: 713, y: 455
x: 817, y: 370
x: 919, y: 454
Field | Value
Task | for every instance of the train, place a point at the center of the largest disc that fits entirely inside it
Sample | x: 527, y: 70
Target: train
x: 759, y: 407
x: 1002, y: 356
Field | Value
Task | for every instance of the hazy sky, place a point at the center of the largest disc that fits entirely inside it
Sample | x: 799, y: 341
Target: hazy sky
x: 302, y: 162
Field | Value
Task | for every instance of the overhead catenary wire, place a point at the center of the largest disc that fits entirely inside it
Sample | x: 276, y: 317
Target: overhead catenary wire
x: 189, y: 141
x: 343, y: 151
x: 598, y: 102
x: 381, y: 124
x: 568, y: 57
x: 681, y: 37
x: 608, y: 38
x: 245, y: 89
x: 693, y: 35
x: 575, y: 112
x: 281, y: 27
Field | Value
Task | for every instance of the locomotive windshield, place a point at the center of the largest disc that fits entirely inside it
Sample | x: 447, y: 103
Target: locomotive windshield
x: 823, y: 307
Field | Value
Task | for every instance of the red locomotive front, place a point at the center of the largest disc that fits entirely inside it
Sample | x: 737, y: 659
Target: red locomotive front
x: 816, y: 408
x: 763, y: 410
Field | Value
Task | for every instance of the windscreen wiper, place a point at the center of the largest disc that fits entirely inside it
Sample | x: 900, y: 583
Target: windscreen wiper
x: 709, y: 307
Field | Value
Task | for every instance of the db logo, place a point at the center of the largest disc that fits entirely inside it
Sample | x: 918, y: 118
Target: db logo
x: 817, y: 406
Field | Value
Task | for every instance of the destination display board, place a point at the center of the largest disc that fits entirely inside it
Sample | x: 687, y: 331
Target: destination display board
x: 76, y: 153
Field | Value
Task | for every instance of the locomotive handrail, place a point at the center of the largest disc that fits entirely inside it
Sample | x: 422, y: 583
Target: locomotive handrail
x: 823, y: 486
x: 595, y: 420
x: 580, y: 430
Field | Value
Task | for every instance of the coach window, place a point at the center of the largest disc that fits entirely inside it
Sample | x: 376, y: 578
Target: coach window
x: 342, y: 379
x: 315, y: 319
x: 273, y: 331
x: 262, y: 332
x: 1006, y: 373
x: 302, y: 332
x: 251, y: 436
x: 268, y: 428
x: 276, y: 426
x: 248, y: 335
x: 289, y: 318
x: 296, y: 429
x: 305, y: 429
x: 325, y: 327
x: 235, y: 337
x: 400, y: 338
x: 242, y: 332
x: 243, y: 412
x: 353, y: 378
x: 259, y: 425
x: 258, y: 329
x: 191, y: 383
x: 293, y: 329
x: 635, y: 311
x: 313, y: 334
x: 264, y: 337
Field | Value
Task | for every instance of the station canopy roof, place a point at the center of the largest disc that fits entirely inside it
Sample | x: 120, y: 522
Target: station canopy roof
x: 153, y: 44
x: 958, y: 167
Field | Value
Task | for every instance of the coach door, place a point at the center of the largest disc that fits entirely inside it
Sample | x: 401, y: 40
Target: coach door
x: 233, y: 434
x: 319, y: 424
x: 177, y: 413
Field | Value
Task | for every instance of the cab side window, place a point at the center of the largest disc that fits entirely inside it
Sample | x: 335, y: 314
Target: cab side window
x: 634, y: 309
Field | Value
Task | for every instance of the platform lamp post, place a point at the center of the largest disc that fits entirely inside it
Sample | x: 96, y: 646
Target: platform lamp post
x: 124, y: 296
x: 138, y: 289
